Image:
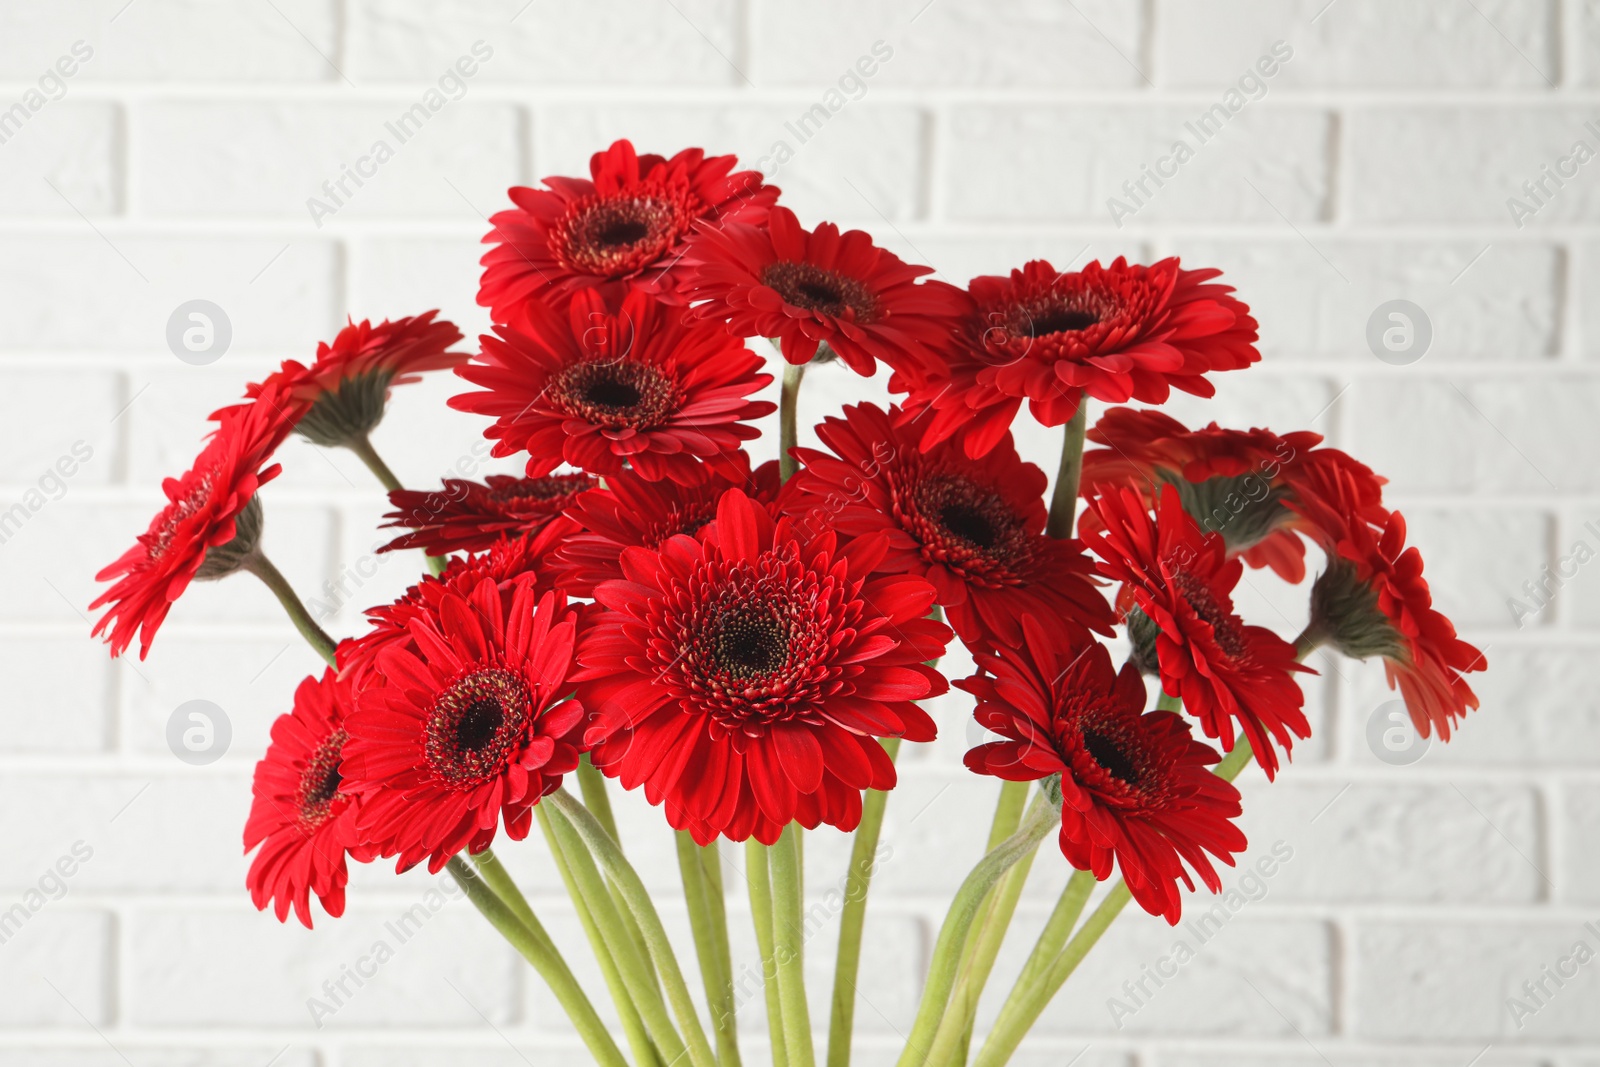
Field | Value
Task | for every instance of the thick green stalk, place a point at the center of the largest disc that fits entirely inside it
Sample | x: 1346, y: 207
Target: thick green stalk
x: 758, y: 872
x: 947, y: 950
x: 645, y: 1019
x: 595, y: 797
x: 788, y: 427
x: 546, y: 960
x: 1064, y: 500
x: 1069, y: 907
x: 259, y: 565
x: 706, y: 916
x: 788, y: 938
x: 504, y: 886
x: 853, y: 918
x: 627, y: 882
x: 364, y: 451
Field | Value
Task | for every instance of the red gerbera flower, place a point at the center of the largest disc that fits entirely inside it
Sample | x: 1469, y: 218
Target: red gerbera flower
x: 804, y: 288
x: 1116, y: 333
x: 1238, y: 483
x: 975, y: 530
x: 467, y: 728
x: 209, y: 528
x: 1182, y: 583
x: 346, y: 388
x: 598, y: 389
x: 624, y: 229
x: 630, y: 511
x: 1373, y: 601
x: 744, y: 677
x: 301, y: 816
x: 470, y: 516
x: 1135, y: 786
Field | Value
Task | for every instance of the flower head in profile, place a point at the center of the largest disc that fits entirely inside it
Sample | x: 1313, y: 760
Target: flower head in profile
x: 621, y: 228
x: 1136, y: 787
x: 806, y: 288
x: 1181, y: 583
x: 974, y: 529
x: 1115, y: 333
x: 346, y: 388
x: 302, y: 817
x: 599, y: 390
x: 465, y: 516
x: 744, y: 677
x: 209, y: 528
x: 468, y: 727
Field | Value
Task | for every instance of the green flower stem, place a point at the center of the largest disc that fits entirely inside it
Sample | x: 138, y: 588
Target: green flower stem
x: 947, y: 950
x: 541, y: 953
x: 593, y: 786
x: 1023, y: 1007
x: 505, y: 887
x: 626, y: 880
x: 1235, y: 761
x: 853, y: 918
x: 709, y: 922
x: 757, y: 871
x: 645, y: 1020
x: 788, y: 428
x: 259, y: 565
x: 1068, y: 909
x: 788, y: 939
x: 1064, y: 500
x: 364, y: 451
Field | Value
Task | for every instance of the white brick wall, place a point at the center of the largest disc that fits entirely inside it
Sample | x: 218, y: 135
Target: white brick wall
x: 1375, y: 164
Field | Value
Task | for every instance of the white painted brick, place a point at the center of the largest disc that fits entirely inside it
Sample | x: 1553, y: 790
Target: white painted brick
x: 1323, y: 1054
x: 958, y: 260
x: 1477, y: 558
x: 177, y: 40
x: 63, y: 691
x: 1451, y: 981
x: 46, y: 412
x: 275, y: 290
x: 71, y: 146
x: 522, y: 1051
x: 877, y: 148
x: 49, y: 944
x: 609, y: 43
x: 1505, y: 305
x: 1027, y: 164
x: 1587, y: 274
x: 1396, y: 154
x: 128, y: 1054
x: 269, y: 159
x: 395, y: 276
x: 1572, y: 587
x: 239, y: 968
x: 1365, y: 44
x: 1015, y: 42
x: 1586, y: 23
x: 1579, y: 876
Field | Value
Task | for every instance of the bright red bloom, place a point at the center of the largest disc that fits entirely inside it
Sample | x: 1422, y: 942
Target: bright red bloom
x: 1182, y: 582
x: 808, y: 287
x: 470, y: 516
x: 1135, y: 786
x: 744, y: 677
x: 623, y: 229
x: 467, y: 728
x: 598, y: 389
x: 630, y: 511
x: 208, y: 528
x: 302, y: 817
x: 974, y: 529
x: 1373, y: 601
x: 346, y: 387
x: 1241, y: 484
x: 1120, y: 332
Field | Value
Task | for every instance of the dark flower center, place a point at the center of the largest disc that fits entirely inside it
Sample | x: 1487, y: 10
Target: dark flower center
x: 615, y: 393
x: 969, y: 523
x: 1110, y: 756
x: 965, y: 526
x: 816, y: 289
x: 1224, y: 624
x: 614, y: 236
x: 751, y: 642
x: 1060, y: 320
x: 320, y: 781
x: 476, y: 725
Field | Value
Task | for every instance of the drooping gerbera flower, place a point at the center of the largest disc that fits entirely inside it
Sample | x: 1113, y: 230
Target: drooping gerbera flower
x: 744, y: 677
x: 974, y: 529
x: 807, y: 287
x: 623, y: 229
x: 468, y: 727
x: 1116, y: 333
x: 468, y: 516
x: 209, y: 528
x: 1373, y: 601
x: 1241, y: 484
x: 599, y: 389
x: 301, y: 815
x: 630, y: 511
x: 1135, y: 786
x: 346, y: 388
x: 1182, y: 582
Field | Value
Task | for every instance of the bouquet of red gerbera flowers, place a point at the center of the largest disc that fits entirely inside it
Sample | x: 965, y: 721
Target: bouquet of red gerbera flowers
x: 748, y: 642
